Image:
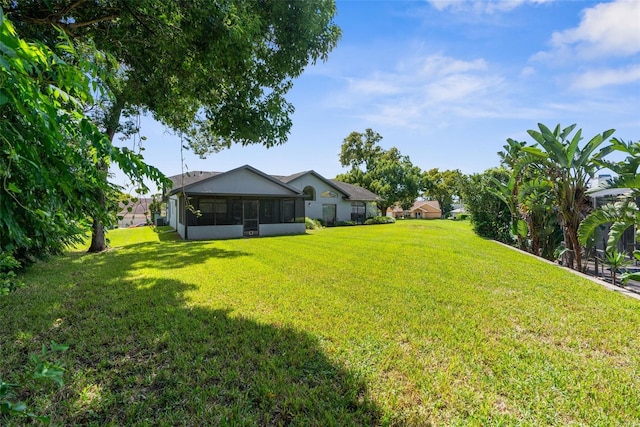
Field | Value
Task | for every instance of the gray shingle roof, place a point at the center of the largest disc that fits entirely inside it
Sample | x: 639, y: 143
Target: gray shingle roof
x: 355, y: 192
x: 189, y: 178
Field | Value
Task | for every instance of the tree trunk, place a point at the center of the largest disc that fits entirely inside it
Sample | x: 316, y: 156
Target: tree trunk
x: 98, y: 241
x: 383, y: 209
x: 568, y: 256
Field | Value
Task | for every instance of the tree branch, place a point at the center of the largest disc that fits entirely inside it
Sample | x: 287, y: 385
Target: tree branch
x: 91, y: 22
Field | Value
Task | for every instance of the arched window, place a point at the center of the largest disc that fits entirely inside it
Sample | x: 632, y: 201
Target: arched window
x: 309, y: 193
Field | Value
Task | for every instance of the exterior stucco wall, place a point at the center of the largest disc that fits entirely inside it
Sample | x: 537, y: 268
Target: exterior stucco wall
x: 282, y: 229
x: 180, y: 230
x: 240, y: 182
x: 218, y: 232
x: 172, y: 211
x: 425, y: 215
x: 214, y: 232
x: 313, y: 208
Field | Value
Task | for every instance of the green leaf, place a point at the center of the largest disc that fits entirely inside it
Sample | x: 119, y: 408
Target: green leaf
x: 523, y: 230
x: 13, y: 188
x: 59, y: 347
x: 19, y: 407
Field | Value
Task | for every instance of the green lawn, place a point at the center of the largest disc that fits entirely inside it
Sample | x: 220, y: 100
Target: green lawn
x: 414, y: 323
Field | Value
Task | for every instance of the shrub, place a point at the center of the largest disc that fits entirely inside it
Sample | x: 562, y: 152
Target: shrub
x: 345, y: 223
x: 462, y: 217
x: 8, y: 279
x: 380, y: 220
x: 312, y: 224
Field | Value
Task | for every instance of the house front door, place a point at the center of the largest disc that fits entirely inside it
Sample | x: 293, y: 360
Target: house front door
x: 250, y: 217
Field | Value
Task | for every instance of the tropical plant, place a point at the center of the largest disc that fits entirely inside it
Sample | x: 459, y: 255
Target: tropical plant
x: 615, y: 260
x: 631, y: 275
x: 537, y: 209
x: 622, y: 214
x: 569, y: 168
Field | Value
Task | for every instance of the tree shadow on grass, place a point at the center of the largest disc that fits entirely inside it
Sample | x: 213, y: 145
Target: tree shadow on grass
x: 160, y: 255
x: 142, y: 356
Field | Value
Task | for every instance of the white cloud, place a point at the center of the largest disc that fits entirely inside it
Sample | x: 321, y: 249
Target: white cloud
x: 606, y: 30
x: 599, y: 78
x: 527, y: 71
x: 481, y: 7
x: 420, y: 87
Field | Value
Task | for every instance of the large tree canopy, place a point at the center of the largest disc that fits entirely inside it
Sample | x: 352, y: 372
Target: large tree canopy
x: 217, y: 72
x: 48, y: 147
x: 385, y: 172
x: 442, y: 186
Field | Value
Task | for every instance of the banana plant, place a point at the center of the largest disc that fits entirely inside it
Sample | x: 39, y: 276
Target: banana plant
x: 569, y: 168
x: 623, y: 214
x: 632, y: 276
x: 615, y: 260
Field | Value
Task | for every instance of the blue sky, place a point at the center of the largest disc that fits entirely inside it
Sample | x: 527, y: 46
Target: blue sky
x: 447, y: 82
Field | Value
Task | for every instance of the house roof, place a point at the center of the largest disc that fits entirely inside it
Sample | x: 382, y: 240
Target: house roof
x: 329, y: 182
x: 351, y: 192
x: 188, y: 178
x: 420, y: 205
x: 426, y: 205
x: 192, y: 178
x: 356, y: 192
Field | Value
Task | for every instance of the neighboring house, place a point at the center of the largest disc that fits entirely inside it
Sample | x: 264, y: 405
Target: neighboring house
x: 425, y: 209
x: 248, y: 202
x: 422, y: 209
x: 137, y: 215
x: 396, y: 212
x: 458, y: 208
x: 332, y: 200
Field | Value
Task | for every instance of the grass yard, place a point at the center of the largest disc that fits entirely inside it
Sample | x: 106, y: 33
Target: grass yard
x: 415, y: 323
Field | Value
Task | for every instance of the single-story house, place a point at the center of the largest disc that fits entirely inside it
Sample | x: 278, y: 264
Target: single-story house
x: 247, y: 202
x: 458, y: 209
x: 425, y: 209
x: 421, y: 209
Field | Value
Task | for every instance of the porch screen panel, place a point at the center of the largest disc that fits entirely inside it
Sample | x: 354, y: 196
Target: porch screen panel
x: 300, y: 210
x: 206, y: 212
x: 222, y: 212
x: 288, y: 210
x: 270, y: 211
x: 236, y: 211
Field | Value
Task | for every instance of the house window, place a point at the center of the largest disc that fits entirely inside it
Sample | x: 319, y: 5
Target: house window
x: 358, y: 212
x: 309, y: 193
x: 329, y: 194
